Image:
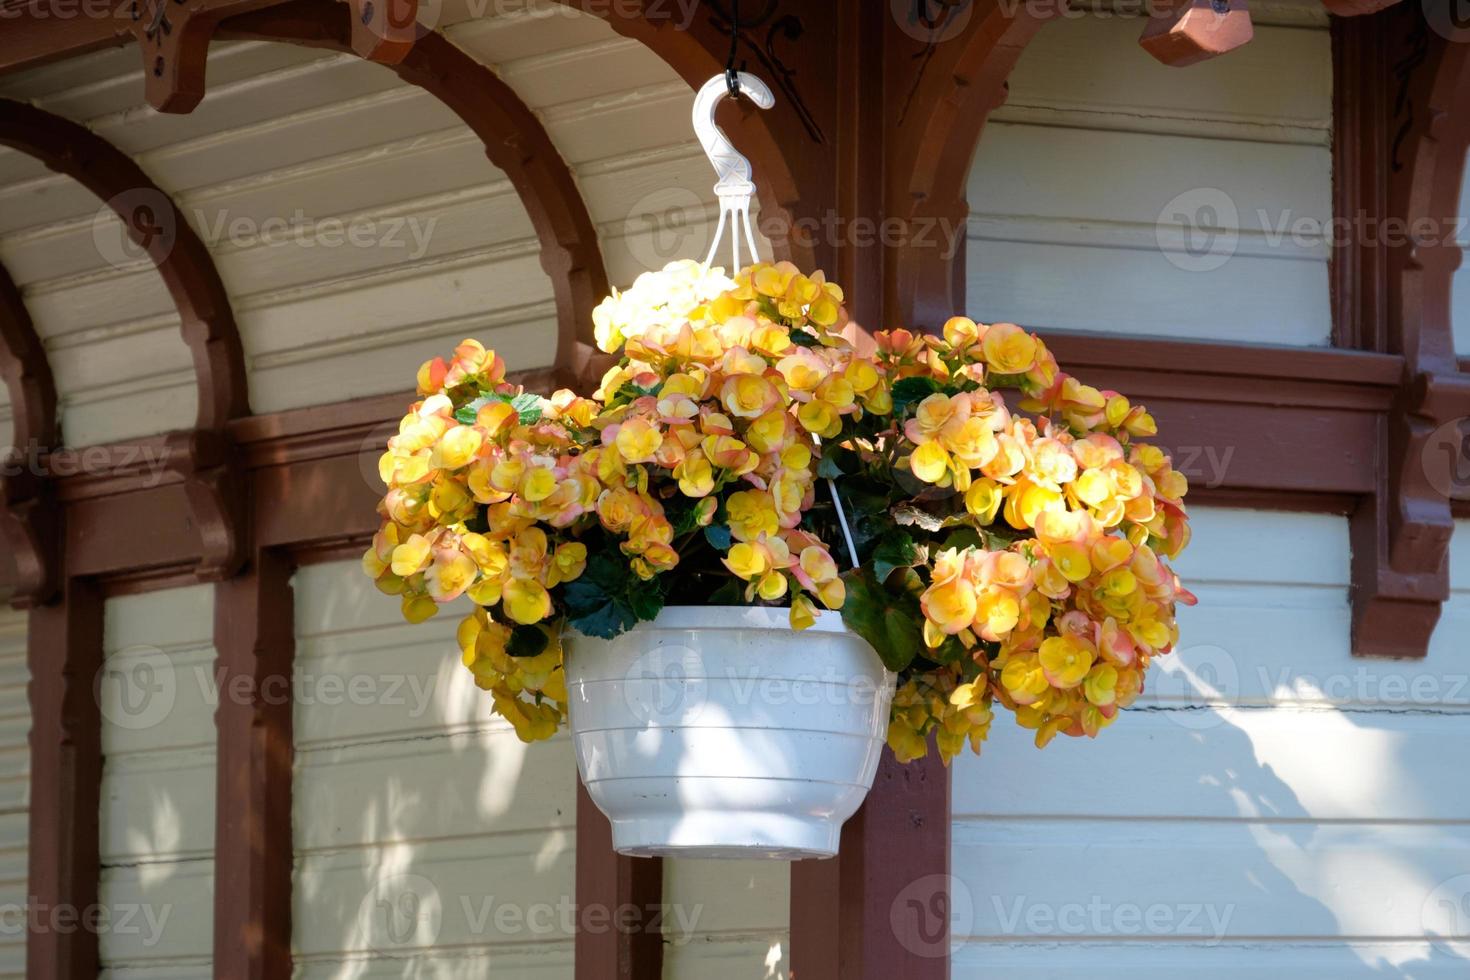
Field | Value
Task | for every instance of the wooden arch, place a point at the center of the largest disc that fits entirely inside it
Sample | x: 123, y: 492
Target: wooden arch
x: 199, y: 457
x: 182, y: 259
x: 957, y: 82
x: 1401, y: 534
x: 515, y: 141
x: 27, y: 504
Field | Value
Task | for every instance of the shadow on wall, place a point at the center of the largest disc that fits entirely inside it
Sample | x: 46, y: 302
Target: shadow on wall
x: 1225, y: 840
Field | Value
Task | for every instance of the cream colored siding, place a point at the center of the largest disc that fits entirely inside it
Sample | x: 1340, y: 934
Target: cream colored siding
x: 157, y: 695
x: 429, y: 840
x: 15, y: 790
x: 1272, y: 803
x: 727, y: 920
x: 1104, y: 168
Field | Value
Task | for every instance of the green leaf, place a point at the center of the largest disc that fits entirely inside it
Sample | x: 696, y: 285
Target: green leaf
x: 526, y: 641
x: 608, y: 599
x: 805, y: 338
x: 896, y: 549
x: 718, y: 536
x: 605, y: 621
x: 911, y: 391
x: 829, y: 467
x: 891, y: 623
x: 527, y: 405
x: 645, y: 603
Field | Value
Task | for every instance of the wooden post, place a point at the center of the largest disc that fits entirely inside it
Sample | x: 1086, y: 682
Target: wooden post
x: 64, y: 653
x: 615, y: 899
x: 254, y: 637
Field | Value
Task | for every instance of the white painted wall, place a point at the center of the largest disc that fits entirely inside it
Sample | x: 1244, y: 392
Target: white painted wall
x: 1277, y: 806
x: 15, y: 791
x: 158, y: 785
x: 425, y: 831
x: 1104, y: 168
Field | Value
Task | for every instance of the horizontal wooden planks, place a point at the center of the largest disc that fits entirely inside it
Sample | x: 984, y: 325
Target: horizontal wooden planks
x: 408, y: 790
x: 1313, y: 798
x: 1116, y: 195
x: 158, y: 782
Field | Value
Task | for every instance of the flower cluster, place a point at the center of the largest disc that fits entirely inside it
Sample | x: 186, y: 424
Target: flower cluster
x: 1012, y: 533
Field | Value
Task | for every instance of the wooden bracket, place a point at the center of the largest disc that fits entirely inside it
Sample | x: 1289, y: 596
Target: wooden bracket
x: 1192, y: 31
x: 215, y: 485
x: 29, y: 518
x: 174, y: 38
x: 1404, y: 132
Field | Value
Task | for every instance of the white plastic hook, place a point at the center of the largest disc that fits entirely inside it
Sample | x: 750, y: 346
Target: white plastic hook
x: 735, y: 187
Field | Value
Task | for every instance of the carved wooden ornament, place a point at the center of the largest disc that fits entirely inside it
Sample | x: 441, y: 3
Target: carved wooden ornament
x: 174, y: 38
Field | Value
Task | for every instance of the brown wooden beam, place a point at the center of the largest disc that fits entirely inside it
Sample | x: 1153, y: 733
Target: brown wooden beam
x: 28, y: 512
x: 254, y: 638
x: 64, y: 655
x: 616, y: 899
x: 515, y: 141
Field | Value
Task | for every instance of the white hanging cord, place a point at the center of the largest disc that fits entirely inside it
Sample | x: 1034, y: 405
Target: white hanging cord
x: 735, y: 188
x: 841, y: 514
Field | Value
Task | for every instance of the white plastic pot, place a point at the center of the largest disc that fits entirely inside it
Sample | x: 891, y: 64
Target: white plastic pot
x: 719, y: 731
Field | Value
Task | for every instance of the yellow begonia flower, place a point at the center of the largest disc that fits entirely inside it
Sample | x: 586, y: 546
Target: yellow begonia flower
x: 450, y: 574
x: 747, y: 560
x: 752, y: 513
x: 803, y: 613
x: 411, y: 556
x: 526, y: 601
x: 1009, y: 349
x: 983, y: 499
x: 569, y: 562
x: 638, y: 440
x: 1066, y: 660
x: 457, y: 447
x: 695, y: 475
x: 749, y: 396
x: 930, y: 463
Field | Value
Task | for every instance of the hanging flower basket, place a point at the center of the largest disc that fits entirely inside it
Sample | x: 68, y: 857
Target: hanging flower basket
x: 722, y: 563
x: 719, y: 731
